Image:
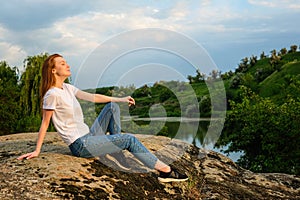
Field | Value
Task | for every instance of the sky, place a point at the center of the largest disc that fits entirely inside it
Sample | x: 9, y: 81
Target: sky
x: 141, y: 41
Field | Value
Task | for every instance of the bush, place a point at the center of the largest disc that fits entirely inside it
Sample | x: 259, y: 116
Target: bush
x: 268, y: 134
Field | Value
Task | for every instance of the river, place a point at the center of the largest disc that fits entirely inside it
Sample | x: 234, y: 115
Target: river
x: 190, y: 130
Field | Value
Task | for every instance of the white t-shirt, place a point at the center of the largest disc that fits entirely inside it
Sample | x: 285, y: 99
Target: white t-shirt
x: 67, y: 116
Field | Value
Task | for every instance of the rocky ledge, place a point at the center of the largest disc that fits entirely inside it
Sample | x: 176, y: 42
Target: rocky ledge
x: 55, y: 174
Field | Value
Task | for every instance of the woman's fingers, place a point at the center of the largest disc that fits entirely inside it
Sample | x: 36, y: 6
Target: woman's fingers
x: 23, y: 156
x: 130, y: 100
x: 27, y: 156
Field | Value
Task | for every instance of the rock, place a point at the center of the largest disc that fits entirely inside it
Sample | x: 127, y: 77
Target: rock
x: 56, y: 174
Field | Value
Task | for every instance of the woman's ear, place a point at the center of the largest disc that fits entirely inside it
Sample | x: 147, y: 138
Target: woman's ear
x: 53, y: 71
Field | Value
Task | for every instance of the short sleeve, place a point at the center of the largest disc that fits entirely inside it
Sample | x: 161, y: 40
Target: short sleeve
x: 50, y: 100
x: 71, y: 88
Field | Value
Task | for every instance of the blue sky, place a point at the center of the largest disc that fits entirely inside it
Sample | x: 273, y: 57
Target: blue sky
x: 228, y: 30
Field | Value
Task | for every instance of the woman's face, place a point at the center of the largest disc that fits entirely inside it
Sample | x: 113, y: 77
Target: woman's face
x: 61, y: 67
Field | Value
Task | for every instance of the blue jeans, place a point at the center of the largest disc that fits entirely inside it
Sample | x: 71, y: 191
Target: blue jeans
x: 97, y: 142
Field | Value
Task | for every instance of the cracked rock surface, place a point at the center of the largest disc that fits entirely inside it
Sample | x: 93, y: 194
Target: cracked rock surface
x: 56, y: 174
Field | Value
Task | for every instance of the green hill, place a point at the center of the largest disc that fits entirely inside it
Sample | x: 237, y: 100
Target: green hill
x: 269, y: 81
x: 278, y: 84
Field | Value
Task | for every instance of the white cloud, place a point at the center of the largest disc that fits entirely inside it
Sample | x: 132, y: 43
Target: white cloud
x: 13, y: 54
x: 205, y: 2
x: 10, y: 51
x: 290, y: 4
x: 35, y: 14
x: 180, y: 11
x: 294, y: 6
x: 75, y: 29
x: 263, y: 3
x: 96, y: 26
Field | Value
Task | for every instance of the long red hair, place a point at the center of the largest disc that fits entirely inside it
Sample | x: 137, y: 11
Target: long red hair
x: 48, y: 78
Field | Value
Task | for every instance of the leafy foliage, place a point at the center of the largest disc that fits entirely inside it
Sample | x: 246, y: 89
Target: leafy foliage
x: 268, y: 134
x: 29, y: 94
x: 263, y: 116
x: 9, y: 98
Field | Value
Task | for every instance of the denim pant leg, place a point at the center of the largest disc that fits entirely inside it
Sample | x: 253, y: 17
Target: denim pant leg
x: 108, y: 120
x: 97, y: 145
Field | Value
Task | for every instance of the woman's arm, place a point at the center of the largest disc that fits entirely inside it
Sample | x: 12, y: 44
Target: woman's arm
x: 47, y: 114
x: 99, y: 98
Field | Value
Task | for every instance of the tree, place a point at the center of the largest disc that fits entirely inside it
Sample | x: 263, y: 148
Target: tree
x: 259, y: 75
x: 29, y: 95
x: 253, y: 60
x: 227, y: 75
x: 273, y: 52
x: 236, y: 80
x: 9, y: 98
x: 262, y: 55
x: 190, y: 78
x: 283, y: 51
x: 200, y: 77
x: 205, y: 106
x: 275, y: 61
x: 143, y: 91
x: 243, y: 66
x: 268, y: 134
x: 30, y: 101
x: 215, y: 74
x: 293, y: 49
x: 249, y: 81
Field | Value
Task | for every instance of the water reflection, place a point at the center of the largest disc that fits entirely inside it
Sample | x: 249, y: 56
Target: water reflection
x: 179, y: 128
x: 170, y: 128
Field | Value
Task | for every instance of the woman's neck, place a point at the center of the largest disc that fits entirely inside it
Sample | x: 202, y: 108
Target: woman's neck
x: 59, y: 82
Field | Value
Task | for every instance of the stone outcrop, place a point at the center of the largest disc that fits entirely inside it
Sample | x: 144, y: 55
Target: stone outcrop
x: 55, y: 174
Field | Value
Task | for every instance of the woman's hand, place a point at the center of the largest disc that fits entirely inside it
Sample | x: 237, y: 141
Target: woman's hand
x: 129, y: 100
x: 29, y: 155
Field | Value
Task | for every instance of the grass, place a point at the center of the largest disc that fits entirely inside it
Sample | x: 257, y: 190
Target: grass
x: 275, y: 85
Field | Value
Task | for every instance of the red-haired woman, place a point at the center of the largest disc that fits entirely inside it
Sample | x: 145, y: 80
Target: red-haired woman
x: 60, y: 103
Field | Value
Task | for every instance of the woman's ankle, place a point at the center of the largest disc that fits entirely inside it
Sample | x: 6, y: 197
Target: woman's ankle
x: 162, y: 167
x: 166, y: 169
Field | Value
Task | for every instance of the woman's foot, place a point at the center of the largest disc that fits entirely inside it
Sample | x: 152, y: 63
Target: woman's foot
x: 171, y: 176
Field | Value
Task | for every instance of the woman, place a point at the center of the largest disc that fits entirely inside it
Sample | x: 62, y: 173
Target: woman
x: 60, y: 103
